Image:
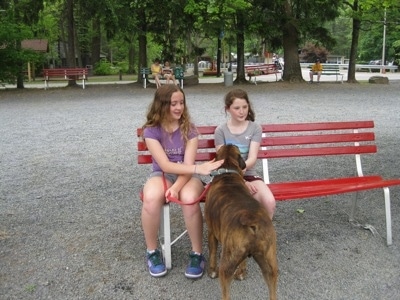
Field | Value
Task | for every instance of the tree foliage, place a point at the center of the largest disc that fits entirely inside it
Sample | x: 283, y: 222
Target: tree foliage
x: 15, y: 18
x: 183, y: 30
x: 363, y: 12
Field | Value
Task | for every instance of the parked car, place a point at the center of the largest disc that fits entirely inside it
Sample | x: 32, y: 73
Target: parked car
x: 375, y: 62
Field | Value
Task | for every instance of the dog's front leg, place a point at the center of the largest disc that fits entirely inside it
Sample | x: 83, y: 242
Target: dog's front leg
x: 212, y: 254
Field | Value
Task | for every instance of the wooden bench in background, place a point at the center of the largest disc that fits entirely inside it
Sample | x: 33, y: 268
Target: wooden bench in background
x: 65, y: 74
x: 301, y: 140
x: 330, y: 69
x: 253, y: 71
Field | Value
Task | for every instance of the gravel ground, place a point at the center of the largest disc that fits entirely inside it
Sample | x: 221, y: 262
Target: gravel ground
x: 70, y: 213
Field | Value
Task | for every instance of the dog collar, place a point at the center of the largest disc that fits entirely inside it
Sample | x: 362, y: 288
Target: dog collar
x: 222, y: 171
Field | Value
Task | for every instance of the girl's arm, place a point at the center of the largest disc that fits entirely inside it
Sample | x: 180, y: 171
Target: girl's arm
x: 190, y: 157
x: 157, y: 152
x: 253, y: 153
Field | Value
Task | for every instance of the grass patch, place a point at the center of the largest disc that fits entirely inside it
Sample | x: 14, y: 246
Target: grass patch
x: 30, y: 288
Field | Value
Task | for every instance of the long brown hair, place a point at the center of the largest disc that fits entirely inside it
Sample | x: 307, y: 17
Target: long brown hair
x: 241, y: 94
x: 159, y: 109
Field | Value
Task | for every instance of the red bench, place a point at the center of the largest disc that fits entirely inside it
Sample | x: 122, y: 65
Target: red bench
x: 262, y: 69
x: 289, y: 141
x: 65, y: 74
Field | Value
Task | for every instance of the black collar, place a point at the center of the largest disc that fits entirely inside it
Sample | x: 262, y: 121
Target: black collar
x: 222, y: 171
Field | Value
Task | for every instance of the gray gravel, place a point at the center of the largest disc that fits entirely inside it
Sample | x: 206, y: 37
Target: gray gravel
x: 70, y: 212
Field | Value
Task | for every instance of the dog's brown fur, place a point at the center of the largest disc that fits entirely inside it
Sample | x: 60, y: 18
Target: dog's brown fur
x: 242, y: 226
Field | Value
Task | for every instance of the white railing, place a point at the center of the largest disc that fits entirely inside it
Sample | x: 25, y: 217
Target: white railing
x: 360, y: 67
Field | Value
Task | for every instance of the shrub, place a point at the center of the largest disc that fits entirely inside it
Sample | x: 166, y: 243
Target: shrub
x: 103, y: 67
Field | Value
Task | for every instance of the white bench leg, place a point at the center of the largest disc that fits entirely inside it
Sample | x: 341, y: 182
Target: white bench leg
x: 144, y: 80
x: 165, y: 235
x: 387, y: 212
x: 388, y: 216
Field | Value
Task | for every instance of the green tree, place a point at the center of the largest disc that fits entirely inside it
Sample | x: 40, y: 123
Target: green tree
x: 371, y: 35
x: 360, y: 11
x: 300, y: 21
x: 220, y: 16
x: 16, y: 17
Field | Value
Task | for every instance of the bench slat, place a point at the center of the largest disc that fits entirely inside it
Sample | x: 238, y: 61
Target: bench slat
x: 201, y: 129
x: 203, y: 144
x: 317, y: 126
x: 200, y: 156
x: 284, y: 153
x: 317, y: 139
x: 320, y: 151
x: 332, y: 187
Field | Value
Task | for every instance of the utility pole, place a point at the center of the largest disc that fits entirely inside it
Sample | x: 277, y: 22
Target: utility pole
x: 383, y: 71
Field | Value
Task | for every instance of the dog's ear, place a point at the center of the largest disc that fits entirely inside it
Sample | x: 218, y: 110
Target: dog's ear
x: 242, y: 163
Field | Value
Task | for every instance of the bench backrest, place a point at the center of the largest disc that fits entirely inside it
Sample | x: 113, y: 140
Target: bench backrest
x: 328, y: 67
x: 65, y: 72
x: 177, y: 71
x: 262, y: 67
x: 145, y: 71
x: 293, y: 140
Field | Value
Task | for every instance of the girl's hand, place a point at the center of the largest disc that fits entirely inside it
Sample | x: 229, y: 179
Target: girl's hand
x: 251, y: 187
x: 207, y: 167
x: 170, y: 193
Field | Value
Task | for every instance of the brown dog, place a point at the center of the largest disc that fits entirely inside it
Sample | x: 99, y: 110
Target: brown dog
x: 240, y: 223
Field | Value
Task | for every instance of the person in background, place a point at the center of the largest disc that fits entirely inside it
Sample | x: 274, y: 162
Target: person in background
x: 156, y: 71
x: 316, y: 69
x: 168, y: 72
x: 172, y: 141
x: 242, y: 131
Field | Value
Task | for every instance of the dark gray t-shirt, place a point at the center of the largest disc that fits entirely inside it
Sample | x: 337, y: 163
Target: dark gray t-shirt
x: 253, y: 132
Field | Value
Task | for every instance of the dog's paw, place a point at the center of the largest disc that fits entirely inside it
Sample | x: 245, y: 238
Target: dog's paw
x: 213, y: 273
x: 240, y: 274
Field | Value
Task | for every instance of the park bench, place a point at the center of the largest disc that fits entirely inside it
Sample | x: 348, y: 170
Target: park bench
x: 65, y: 74
x: 331, y: 69
x: 378, y: 68
x: 344, y: 140
x: 146, y: 75
x: 253, y: 71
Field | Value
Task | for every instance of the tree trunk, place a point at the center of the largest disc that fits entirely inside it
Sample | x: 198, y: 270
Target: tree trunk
x: 96, y: 41
x: 142, y: 44
x: 219, y: 56
x: 351, y: 73
x: 71, y: 58
x: 131, y: 56
x: 292, y: 69
x: 240, y: 73
x: 20, y: 74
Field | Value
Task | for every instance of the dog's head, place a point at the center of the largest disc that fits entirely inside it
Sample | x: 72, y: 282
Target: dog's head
x: 232, y: 158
